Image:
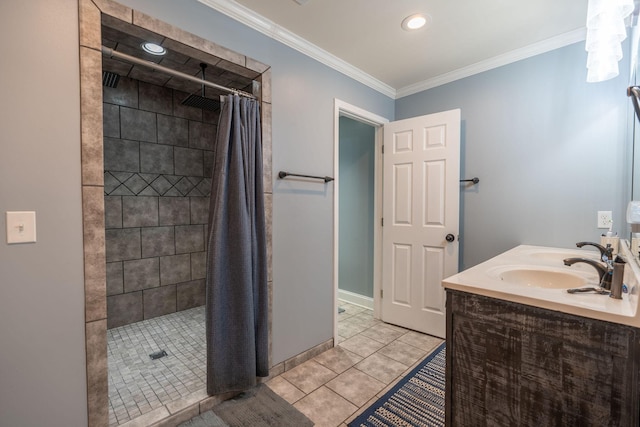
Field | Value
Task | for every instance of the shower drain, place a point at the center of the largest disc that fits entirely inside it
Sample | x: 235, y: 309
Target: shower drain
x: 158, y: 354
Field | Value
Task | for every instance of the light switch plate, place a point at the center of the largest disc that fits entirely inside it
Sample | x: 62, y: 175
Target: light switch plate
x: 21, y: 227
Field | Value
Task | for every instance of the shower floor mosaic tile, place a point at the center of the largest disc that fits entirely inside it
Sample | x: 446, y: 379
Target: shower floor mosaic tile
x: 138, y: 384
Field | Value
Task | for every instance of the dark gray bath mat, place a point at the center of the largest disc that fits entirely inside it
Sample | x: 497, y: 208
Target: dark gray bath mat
x: 206, y: 419
x: 260, y: 407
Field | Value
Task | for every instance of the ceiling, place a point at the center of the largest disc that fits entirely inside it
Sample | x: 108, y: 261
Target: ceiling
x: 363, y: 38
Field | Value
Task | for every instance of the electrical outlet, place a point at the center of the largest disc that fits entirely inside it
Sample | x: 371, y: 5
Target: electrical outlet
x: 604, y: 219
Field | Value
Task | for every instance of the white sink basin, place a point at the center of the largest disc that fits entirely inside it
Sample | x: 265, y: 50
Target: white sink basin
x: 556, y: 257
x: 536, y: 276
x: 539, y: 277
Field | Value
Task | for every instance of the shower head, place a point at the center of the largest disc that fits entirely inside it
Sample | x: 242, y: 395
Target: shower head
x: 198, y: 101
x: 201, y: 101
x: 110, y: 79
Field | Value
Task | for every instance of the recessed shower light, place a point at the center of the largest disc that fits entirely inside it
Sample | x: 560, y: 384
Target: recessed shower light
x: 153, y: 49
x: 416, y: 21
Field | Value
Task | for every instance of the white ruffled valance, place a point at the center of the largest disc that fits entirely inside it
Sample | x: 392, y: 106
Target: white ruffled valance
x: 605, y: 32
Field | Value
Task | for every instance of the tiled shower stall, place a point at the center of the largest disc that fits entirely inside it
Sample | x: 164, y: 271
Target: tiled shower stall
x: 157, y: 175
x: 145, y: 184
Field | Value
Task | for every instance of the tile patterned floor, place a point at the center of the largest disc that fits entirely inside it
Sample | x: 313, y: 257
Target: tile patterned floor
x: 370, y: 357
x: 137, y: 384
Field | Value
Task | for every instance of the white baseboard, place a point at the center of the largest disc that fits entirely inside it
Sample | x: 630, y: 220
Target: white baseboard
x: 355, y: 299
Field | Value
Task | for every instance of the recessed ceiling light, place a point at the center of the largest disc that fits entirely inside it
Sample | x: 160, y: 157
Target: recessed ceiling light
x: 153, y: 49
x: 416, y: 21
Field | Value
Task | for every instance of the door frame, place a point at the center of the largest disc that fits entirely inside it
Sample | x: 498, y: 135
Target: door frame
x: 344, y: 109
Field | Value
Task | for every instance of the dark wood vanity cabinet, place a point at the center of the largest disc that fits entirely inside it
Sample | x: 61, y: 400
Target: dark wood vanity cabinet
x: 510, y: 364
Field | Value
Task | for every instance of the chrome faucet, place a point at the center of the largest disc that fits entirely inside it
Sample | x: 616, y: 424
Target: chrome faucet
x: 604, y: 270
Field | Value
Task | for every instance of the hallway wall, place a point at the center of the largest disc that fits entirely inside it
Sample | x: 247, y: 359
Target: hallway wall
x: 356, y: 204
x: 42, y: 360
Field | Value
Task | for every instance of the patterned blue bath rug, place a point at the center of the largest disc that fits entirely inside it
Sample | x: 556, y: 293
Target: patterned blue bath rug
x: 417, y: 400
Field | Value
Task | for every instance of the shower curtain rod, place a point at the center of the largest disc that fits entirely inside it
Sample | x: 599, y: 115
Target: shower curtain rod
x: 133, y: 60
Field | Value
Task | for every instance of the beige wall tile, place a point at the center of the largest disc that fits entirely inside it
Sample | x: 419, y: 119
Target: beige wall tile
x: 179, y: 417
x: 237, y: 68
x: 91, y: 116
x: 187, y: 401
x: 267, y: 152
x: 276, y: 370
x: 307, y: 355
x: 89, y: 32
x: 95, y: 275
x: 268, y: 214
x: 272, y: 369
x: 208, y: 403
x: 256, y: 66
x: 148, y: 419
x: 114, y: 9
x: 265, y: 80
x: 97, y: 380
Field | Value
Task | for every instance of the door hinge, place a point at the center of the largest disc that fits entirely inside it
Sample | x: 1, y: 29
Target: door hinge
x: 382, y: 148
x: 381, y: 292
x: 381, y: 222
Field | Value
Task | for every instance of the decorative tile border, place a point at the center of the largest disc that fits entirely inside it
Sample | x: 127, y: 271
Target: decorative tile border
x: 149, y: 184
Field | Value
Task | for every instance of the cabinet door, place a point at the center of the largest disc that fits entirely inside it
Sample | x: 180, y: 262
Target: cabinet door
x: 511, y: 364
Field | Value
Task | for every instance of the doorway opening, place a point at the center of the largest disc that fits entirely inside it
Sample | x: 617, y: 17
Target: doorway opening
x: 357, y: 207
x: 356, y: 204
x: 419, y: 176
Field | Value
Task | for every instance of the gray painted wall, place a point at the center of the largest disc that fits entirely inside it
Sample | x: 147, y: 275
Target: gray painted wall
x: 357, y: 185
x: 303, y: 96
x: 42, y: 360
x: 550, y: 151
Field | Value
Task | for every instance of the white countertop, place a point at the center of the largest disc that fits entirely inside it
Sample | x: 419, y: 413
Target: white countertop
x: 483, y: 279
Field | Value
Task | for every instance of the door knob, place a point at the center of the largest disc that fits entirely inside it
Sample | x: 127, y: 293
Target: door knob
x: 450, y: 237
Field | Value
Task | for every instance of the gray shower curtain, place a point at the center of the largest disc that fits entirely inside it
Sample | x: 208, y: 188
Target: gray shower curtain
x: 236, y: 284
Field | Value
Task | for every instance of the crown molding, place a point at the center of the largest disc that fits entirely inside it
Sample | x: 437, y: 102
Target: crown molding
x: 497, y: 61
x: 269, y: 28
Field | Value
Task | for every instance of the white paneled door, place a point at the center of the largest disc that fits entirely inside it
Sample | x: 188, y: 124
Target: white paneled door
x: 421, y: 192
